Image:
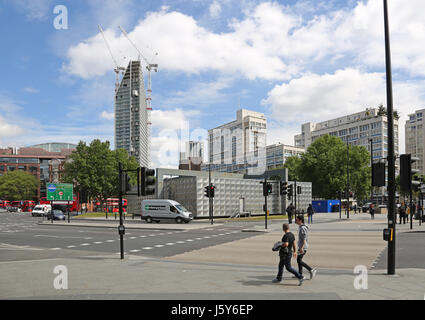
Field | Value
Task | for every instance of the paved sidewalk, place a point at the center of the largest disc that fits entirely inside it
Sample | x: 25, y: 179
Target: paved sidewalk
x: 141, y: 278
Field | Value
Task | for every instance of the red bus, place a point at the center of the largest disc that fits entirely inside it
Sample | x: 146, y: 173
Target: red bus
x: 62, y: 204
x: 27, y: 205
x: 15, y: 204
x: 4, y: 203
x: 112, y: 205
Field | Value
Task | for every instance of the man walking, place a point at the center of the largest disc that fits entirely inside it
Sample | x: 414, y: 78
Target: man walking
x: 290, y: 212
x: 310, y: 212
x: 303, y: 246
x: 286, y: 251
x: 372, y: 211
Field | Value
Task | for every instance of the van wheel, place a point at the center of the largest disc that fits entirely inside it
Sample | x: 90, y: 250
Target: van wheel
x: 179, y: 220
x: 149, y: 220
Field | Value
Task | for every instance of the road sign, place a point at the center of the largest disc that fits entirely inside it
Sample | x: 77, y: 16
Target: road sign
x: 60, y: 191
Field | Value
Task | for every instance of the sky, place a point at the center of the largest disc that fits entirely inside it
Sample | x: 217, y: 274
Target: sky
x: 295, y: 61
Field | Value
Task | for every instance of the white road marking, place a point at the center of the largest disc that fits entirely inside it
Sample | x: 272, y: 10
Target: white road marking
x: 189, y: 240
x: 133, y: 237
x: 170, y: 244
x: 70, y: 246
x: 98, y: 242
x: 135, y: 250
x: 110, y: 240
x: 55, y: 248
x: 180, y: 242
x: 147, y: 248
x: 85, y: 244
x: 159, y: 246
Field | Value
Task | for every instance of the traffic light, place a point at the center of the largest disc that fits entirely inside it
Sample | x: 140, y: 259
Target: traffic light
x: 290, y: 191
x: 212, y: 191
x: 207, y: 191
x: 125, y: 183
x: 378, y: 174
x: 83, y: 196
x: 407, y: 173
x: 299, y: 190
x: 283, y: 188
x: 267, y: 189
x: 147, y: 178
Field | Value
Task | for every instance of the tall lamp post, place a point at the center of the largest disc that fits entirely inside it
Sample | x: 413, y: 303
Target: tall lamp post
x: 391, y: 153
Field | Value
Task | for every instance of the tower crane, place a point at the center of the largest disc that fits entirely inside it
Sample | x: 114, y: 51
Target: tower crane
x: 117, y: 69
x: 149, y: 67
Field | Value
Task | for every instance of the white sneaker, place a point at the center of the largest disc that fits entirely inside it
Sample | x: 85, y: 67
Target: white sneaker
x: 301, y: 281
x: 313, y: 273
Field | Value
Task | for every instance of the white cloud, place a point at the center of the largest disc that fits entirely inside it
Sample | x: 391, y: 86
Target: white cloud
x: 315, y: 98
x: 215, y: 9
x: 34, y: 9
x: 8, y: 129
x: 107, y: 115
x: 30, y: 90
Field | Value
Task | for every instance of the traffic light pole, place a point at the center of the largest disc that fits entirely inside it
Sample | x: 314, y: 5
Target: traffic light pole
x: 210, y: 200
x: 348, y: 183
x: 295, y: 197
x: 411, y: 210
x: 391, y: 153
x: 121, y: 226
x: 265, y: 204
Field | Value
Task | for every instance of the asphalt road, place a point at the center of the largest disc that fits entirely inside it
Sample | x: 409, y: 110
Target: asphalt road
x: 21, y: 238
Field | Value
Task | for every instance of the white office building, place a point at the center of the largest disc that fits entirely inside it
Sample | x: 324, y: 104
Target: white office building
x: 414, y: 138
x: 238, y: 145
x: 355, y: 128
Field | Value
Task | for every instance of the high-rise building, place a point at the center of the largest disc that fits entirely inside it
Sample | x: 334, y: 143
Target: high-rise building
x: 132, y: 126
x: 355, y: 128
x: 236, y: 146
x: 414, y: 138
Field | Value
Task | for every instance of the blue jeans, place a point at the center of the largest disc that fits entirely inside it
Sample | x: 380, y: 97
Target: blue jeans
x: 285, y: 261
x: 310, y: 219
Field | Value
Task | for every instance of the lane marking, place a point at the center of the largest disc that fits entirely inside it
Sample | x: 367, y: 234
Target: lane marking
x: 147, y: 248
x: 159, y: 246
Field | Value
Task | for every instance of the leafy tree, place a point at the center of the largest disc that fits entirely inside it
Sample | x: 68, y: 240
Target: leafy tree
x: 325, y: 165
x: 18, y: 185
x: 94, y: 168
x: 293, y: 164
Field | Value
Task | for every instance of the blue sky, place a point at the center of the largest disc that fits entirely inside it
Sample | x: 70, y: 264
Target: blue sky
x: 295, y: 61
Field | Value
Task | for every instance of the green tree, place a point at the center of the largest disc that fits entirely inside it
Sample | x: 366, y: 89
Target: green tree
x: 325, y: 165
x: 94, y: 168
x: 18, y: 185
x: 293, y: 164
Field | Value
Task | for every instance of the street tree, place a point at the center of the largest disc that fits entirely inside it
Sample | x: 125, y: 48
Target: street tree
x: 18, y: 185
x: 94, y: 168
x: 325, y: 165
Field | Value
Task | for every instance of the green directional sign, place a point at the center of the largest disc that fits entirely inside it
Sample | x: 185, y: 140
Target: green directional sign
x: 59, y: 191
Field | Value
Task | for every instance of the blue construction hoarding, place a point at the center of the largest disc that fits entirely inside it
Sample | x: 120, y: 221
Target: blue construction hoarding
x: 325, y: 205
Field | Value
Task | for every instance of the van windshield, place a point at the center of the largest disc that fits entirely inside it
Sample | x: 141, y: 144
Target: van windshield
x: 181, y: 208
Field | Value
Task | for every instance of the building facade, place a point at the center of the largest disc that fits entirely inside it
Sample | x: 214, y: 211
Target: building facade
x: 238, y: 144
x: 357, y: 129
x: 414, y: 138
x: 46, y: 166
x: 132, y: 123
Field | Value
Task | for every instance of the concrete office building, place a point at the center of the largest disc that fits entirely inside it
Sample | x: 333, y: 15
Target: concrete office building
x: 414, y: 138
x: 355, y: 128
x: 132, y: 124
x: 237, y: 145
x: 193, y: 156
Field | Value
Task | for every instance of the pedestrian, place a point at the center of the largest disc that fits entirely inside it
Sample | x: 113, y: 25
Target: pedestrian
x: 403, y: 213
x: 290, y: 211
x: 407, y: 213
x: 372, y: 211
x: 413, y: 211
x: 287, y: 249
x: 310, y: 212
x: 302, y: 247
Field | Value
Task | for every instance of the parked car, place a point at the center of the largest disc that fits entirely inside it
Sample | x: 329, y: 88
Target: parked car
x: 56, y: 214
x: 366, y: 206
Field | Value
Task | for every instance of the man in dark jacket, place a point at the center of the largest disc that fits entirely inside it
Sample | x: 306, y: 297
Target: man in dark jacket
x: 290, y: 211
x: 286, y: 251
x: 310, y: 212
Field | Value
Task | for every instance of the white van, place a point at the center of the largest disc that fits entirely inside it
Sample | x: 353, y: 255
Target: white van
x: 156, y: 210
x: 41, y: 210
